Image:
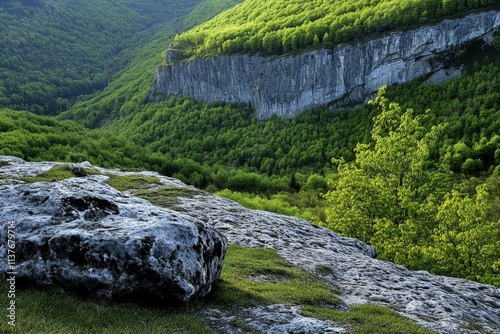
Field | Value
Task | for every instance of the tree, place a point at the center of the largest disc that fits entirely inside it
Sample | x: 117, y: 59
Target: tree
x: 466, y: 242
x: 387, y: 195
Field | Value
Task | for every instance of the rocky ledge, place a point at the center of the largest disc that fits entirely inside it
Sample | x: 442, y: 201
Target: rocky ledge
x: 93, y: 211
x: 81, y: 234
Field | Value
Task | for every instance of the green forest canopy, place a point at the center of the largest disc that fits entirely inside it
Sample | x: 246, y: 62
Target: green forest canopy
x: 281, y: 26
x: 54, y: 52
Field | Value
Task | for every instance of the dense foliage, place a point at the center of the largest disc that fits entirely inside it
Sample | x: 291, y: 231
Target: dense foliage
x: 53, y: 52
x: 396, y: 198
x: 207, y: 10
x: 276, y: 27
x: 35, y: 137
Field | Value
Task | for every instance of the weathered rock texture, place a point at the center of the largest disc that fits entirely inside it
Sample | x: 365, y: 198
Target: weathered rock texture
x: 289, y: 85
x: 440, y: 303
x: 85, y: 236
x: 273, y: 319
x: 444, y: 304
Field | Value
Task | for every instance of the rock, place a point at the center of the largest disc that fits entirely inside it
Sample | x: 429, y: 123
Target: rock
x: 289, y: 85
x: 77, y: 170
x: 172, y: 55
x: 443, y: 304
x: 279, y: 319
x: 272, y: 319
x: 80, y: 233
x: 444, y: 75
x: 17, y: 167
x: 84, y: 236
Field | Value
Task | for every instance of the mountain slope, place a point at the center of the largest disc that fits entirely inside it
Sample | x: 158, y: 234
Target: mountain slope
x: 277, y: 27
x: 287, y: 162
x: 128, y: 92
x: 345, y: 75
x: 53, y: 52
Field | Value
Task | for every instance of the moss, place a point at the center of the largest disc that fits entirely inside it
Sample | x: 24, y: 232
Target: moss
x: 135, y: 181
x: 474, y: 326
x: 323, y: 270
x: 167, y: 197
x: 57, y: 173
x: 367, y: 319
x: 3, y: 163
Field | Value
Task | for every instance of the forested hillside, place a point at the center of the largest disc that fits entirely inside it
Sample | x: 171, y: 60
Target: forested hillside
x: 35, y: 137
x: 277, y: 27
x: 53, y: 52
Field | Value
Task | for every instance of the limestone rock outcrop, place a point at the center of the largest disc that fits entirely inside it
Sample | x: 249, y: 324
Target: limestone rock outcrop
x: 289, y: 85
x: 85, y: 236
x: 72, y: 230
x: 444, y: 304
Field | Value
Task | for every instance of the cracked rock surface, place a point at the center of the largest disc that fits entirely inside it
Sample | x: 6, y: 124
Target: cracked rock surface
x: 272, y: 319
x: 443, y: 304
x: 84, y: 214
x: 85, y: 236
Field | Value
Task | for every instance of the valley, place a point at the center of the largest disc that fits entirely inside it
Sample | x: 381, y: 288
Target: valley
x: 253, y: 105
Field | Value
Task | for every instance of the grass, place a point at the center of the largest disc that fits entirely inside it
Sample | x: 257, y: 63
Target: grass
x: 127, y: 182
x: 57, y: 173
x: 167, y: 197
x: 56, y: 312
x: 474, y: 326
x: 368, y: 319
x: 3, y: 163
x: 259, y: 277
x: 250, y: 277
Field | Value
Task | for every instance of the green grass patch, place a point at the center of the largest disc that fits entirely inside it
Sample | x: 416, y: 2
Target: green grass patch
x: 127, y: 182
x: 368, y: 319
x: 56, y: 312
x: 3, y: 163
x: 57, y: 173
x: 474, y: 326
x: 167, y: 197
x: 259, y: 277
x: 323, y: 270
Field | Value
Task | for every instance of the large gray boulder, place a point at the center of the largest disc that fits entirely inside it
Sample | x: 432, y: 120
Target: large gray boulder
x: 85, y: 236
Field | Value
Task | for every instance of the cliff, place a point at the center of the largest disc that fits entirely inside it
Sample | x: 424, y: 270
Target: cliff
x: 442, y: 304
x: 289, y: 85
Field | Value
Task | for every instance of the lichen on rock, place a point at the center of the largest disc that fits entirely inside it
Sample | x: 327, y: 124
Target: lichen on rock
x: 85, y: 236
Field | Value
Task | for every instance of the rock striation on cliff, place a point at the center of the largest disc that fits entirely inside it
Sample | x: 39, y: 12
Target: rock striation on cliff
x: 137, y: 228
x: 289, y: 85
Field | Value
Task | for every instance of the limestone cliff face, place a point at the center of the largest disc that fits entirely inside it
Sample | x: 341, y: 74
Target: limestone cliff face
x: 287, y: 86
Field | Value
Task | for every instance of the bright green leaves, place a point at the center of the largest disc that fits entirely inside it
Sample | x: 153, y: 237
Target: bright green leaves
x: 277, y: 27
x: 394, y: 197
x: 390, y: 182
x: 465, y: 242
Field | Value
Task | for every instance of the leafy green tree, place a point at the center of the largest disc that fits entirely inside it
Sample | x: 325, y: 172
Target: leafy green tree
x: 396, y: 198
x: 466, y: 242
x: 387, y: 194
